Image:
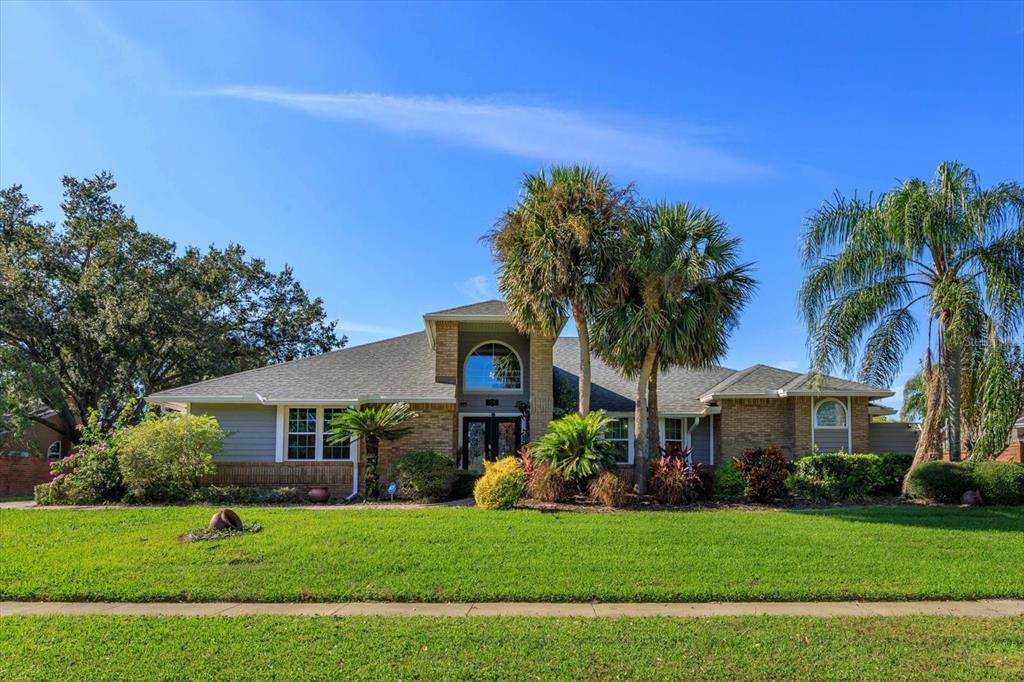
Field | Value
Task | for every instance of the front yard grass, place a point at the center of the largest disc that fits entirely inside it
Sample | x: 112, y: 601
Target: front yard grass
x: 466, y: 554
x: 258, y: 648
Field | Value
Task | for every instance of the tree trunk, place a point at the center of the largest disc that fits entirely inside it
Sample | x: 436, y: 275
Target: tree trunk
x: 641, y: 446
x: 653, y: 432
x: 372, y: 474
x: 952, y: 364
x: 929, y: 442
x: 584, y: 334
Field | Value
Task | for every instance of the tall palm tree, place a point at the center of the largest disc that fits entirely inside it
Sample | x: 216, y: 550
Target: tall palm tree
x: 553, y: 249
x: 948, y: 245
x: 673, y: 301
x: 372, y: 424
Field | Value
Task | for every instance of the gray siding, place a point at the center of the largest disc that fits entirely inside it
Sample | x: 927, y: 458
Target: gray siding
x: 893, y: 437
x: 699, y: 441
x: 252, y: 431
x: 831, y: 440
x: 477, y: 402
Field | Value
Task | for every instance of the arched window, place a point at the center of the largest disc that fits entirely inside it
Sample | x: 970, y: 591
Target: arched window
x: 830, y: 414
x: 54, y: 451
x: 493, y: 366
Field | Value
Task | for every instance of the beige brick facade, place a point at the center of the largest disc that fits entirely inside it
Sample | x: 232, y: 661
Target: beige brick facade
x: 861, y: 422
x: 433, y: 429
x: 541, y: 384
x: 446, y: 351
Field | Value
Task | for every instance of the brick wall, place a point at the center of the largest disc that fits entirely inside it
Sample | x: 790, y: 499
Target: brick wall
x: 19, y: 475
x: 446, y: 351
x: 337, y: 476
x: 541, y: 384
x: 433, y: 429
x: 757, y: 423
x: 861, y: 423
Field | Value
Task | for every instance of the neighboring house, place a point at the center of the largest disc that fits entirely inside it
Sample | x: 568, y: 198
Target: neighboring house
x: 25, y: 458
x: 472, y: 377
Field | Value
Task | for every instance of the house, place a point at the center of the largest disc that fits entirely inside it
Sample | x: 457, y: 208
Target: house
x: 25, y: 458
x: 482, y: 389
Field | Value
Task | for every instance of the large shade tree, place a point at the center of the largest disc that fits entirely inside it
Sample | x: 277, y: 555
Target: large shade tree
x: 96, y: 311
x: 553, y: 250
x: 673, y: 300
x: 948, y: 248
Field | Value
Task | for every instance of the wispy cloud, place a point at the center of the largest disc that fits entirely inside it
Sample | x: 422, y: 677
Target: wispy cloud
x: 542, y: 133
x: 479, y: 288
x: 367, y: 328
x: 791, y: 365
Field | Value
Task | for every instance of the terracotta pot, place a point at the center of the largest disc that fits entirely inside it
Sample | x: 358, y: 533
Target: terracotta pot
x: 217, y: 522
x: 318, y: 494
x: 225, y: 519
x: 971, y: 497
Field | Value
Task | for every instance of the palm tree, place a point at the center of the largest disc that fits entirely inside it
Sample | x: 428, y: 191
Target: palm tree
x: 673, y: 301
x: 553, y: 250
x: 372, y: 424
x: 949, y: 245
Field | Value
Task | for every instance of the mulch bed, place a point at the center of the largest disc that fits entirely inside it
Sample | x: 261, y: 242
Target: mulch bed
x: 581, y: 503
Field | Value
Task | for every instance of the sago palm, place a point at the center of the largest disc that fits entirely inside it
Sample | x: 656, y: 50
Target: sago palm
x: 575, y: 446
x: 948, y: 246
x: 673, y: 301
x: 553, y: 249
x: 372, y: 424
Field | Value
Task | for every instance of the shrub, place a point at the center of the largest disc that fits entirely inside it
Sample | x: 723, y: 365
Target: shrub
x: 608, y: 489
x: 233, y: 494
x: 837, y: 476
x: 544, y: 483
x: 426, y: 475
x: 674, y: 480
x: 464, y: 484
x: 163, y: 458
x: 893, y: 469
x: 502, y: 484
x: 728, y: 479
x: 764, y: 472
x: 575, y: 446
x: 91, y: 474
x: 999, y: 482
x: 939, y: 481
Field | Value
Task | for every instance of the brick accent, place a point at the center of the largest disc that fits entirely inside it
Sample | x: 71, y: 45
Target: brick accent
x: 541, y: 384
x: 19, y: 475
x: 446, y: 351
x: 861, y: 423
x: 337, y: 476
x: 756, y: 423
x: 801, y: 426
x: 433, y: 429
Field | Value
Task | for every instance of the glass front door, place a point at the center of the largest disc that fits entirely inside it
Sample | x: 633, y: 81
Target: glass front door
x: 488, y: 438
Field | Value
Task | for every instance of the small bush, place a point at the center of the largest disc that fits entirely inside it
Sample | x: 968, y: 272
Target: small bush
x: 502, y: 484
x: 608, y: 489
x: 163, y: 458
x: 728, y: 479
x: 999, y: 482
x: 893, y: 469
x: 675, y: 481
x: 426, y: 475
x: 575, y: 446
x: 837, y: 476
x: 464, y: 483
x: 233, y: 494
x: 545, y: 484
x: 764, y: 472
x: 939, y: 481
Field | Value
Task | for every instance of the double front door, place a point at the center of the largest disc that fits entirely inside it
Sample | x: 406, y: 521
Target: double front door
x: 488, y: 438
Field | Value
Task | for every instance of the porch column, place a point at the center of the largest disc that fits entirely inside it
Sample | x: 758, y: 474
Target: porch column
x: 542, y: 391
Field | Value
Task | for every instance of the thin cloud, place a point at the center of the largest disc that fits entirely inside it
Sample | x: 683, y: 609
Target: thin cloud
x: 366, y: 328
x: 479, y: 288
x: 535, y: 132
x: 791, y: 365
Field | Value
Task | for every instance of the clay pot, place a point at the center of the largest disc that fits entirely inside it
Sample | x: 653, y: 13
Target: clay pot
x: 971, y: 498
x: 319, y: 494
x: 225, y: 519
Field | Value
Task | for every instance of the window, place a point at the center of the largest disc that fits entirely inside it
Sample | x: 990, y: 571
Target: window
x: 673, y: 435
x: 493, y: 367
x: 338, y: 451
x: 301, y: 433
x: 617, y: 435
x: 54, y: 451
x: 830, y: 414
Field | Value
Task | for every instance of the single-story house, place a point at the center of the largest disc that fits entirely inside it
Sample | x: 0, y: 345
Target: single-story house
x: 25, y: 458
x: 481, y: 390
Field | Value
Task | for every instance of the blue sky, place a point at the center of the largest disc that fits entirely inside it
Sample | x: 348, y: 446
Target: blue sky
x: 369, y: 146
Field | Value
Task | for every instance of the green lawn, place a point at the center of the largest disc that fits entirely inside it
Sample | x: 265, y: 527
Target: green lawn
x: 126, y: 648
x: 466, y: 554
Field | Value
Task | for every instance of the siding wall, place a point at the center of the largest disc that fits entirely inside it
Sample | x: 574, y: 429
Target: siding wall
x: 831, y: 440
x: 252, y: 431
x: 893, y: 437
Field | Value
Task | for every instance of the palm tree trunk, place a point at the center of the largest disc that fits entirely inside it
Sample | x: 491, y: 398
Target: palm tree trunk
x: 653, y: 432
x: 641, y: 445
x: 372, y: 473
x: 929, y: 443
x: 951, y: 363
x: 584, y: 333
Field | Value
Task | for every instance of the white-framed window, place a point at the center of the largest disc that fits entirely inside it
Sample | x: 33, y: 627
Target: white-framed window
x: 617, y: 434
x: 675, y: 437
x: 830, y: 414
x: 302, y: 428
x: 55, y: 451
x: 492, y: 366
x: 329, y: 450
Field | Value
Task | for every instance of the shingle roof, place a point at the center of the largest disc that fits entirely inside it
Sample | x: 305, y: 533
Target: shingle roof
x: 402, y: 367
x: 765, y: 380
x: 492, y: 308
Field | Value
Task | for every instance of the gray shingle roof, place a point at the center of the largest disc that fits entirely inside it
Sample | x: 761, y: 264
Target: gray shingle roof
x: 766, y: 380
x: 402, y: 367
x: 491, y: 308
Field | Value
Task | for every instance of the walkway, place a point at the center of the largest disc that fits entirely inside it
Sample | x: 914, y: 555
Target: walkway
x: 985, y: 608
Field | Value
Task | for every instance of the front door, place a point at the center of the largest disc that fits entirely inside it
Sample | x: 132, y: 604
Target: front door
x: 488, y: 438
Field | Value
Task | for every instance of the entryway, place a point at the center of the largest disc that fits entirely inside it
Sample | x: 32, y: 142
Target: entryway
x: 488, y: 438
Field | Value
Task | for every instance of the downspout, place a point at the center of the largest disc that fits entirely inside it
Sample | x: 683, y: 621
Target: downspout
x: 689, y: 436
x: 355, y: 474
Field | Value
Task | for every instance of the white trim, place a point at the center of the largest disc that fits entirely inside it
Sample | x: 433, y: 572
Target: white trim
x: 630, y: 418
x: 711, y: 440
x: 308, y: 402
x: 818, y: 404
x: 60, y: 450
x: 849, y: 426
x: 282, y: 427
x: 281, y: 454
x: 519, y: 359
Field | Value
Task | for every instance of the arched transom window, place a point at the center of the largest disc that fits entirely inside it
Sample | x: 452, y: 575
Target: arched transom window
x: 493, y: 366
x: 830, y: 414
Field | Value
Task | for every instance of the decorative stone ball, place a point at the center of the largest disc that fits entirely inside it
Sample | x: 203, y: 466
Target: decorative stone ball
x: 319, y: 494
x: 971, y: 498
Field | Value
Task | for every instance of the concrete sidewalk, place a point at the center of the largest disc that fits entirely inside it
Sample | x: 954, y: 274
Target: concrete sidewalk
x: 985, y: 608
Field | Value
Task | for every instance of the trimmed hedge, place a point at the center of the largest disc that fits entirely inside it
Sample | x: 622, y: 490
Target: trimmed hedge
x: 940, y: 481
x: 501, y: 485
x: 464, y: 483
x: 426, y: 475
x: 839, y: 476
x: 728, y: 480
x: 999, y: 482
x: 235, y: 494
